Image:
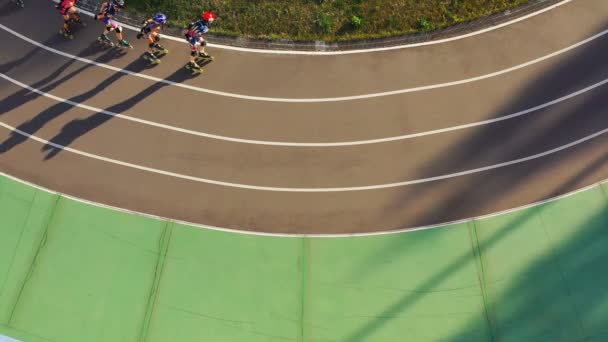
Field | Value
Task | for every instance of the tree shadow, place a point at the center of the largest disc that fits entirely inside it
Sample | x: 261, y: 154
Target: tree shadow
x: 519, y: 138
x: 434, y: 282
x: 558, y: 296
x: 512, y: 139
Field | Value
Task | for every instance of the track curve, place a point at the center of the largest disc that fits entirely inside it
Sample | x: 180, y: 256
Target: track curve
x: 562, y: 94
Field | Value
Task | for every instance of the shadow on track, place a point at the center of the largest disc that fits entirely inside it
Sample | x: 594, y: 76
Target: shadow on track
x: 23, y: 96
x: 44, y: 117
x: 517, y: 138
x: 9, y: 8
x: 77, y: 128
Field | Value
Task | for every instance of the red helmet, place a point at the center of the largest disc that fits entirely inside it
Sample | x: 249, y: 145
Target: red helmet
x: 208, y: 16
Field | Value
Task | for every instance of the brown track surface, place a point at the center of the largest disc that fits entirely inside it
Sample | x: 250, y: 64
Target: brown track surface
x: 300, y: 76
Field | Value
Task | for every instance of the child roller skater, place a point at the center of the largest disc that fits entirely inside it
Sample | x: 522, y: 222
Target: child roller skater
x: 150, y: 31
x: 70, y: 16
x: 197, y: 42
x: 106, y: 15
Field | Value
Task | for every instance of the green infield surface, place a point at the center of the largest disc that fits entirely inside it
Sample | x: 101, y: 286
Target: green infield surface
x: 73, y: 272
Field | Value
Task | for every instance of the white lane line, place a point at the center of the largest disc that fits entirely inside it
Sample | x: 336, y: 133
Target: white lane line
x: 295, y: 235
x: 308, y: 190
x: 307, y: 100
x: 296, y: 144
x: 348, y: 52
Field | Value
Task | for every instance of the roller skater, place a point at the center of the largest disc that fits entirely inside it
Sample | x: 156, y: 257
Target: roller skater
x: 106, y: 15
x: 197, y: 42
x: 150, y: 31
x: 70, y: 16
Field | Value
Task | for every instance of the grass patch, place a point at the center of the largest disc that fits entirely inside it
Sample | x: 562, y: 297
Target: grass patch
x: 331, y: 20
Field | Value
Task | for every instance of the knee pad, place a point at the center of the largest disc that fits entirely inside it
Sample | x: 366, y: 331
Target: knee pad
x: 151, y: 45
x: 193, y: 53
x: 67, y: 21
x: 119, y: 29
x: 157, y: 38
x: 204, y: 43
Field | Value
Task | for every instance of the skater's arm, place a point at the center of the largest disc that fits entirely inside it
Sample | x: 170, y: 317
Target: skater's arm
x: 102, y: 10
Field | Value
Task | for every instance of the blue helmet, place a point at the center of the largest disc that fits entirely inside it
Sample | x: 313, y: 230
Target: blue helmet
x: 159, y: 18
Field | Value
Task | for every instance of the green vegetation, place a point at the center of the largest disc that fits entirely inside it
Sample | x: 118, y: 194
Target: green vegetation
x: 329, y: 20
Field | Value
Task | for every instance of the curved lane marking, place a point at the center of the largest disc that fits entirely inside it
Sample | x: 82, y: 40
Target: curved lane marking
x: 348, y: 52
x: 308, y: 190
x: 296, y: 235
x: 297, y: 144
x: 305, y: 100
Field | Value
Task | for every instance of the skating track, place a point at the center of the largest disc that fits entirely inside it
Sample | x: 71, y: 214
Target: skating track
x: 293, y: 151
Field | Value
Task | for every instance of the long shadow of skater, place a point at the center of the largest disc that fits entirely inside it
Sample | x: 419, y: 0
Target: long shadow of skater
x: 77, y: 128
x: 41, y: 119
x: 23, y: 96
x: 8, y: 66
x: 566, y: 123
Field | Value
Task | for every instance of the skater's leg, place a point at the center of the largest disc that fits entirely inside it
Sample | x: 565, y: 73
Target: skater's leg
x: 202, y: 51
x: 118, y: 30
x: 193, y: 55
x: 157, y: 46
x: 150, y: 38
x: 66, y: 22
x: 76, y: 18
x: 73, y: 15
x: 104, y: 36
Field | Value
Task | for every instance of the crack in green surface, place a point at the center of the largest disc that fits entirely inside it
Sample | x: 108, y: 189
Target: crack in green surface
x: 569, y: 291
x: 305, y: 271
x: 164, y: 241
x: 12, y: 260
x: 30, y: 271
x: 477, y: 254
x: 498, y: 259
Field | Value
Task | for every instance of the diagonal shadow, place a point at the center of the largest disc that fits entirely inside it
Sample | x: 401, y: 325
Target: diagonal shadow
x: 566, y: 284
x: 77, y: 128
x: 465, y: 260
x: 515, y: 140
x: 49, y: 114
x: 23, y: 96
x: 568, y: 122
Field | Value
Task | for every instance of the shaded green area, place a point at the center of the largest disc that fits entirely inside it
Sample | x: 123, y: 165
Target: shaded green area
x: 328, y: 20
x: 73, y: 272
